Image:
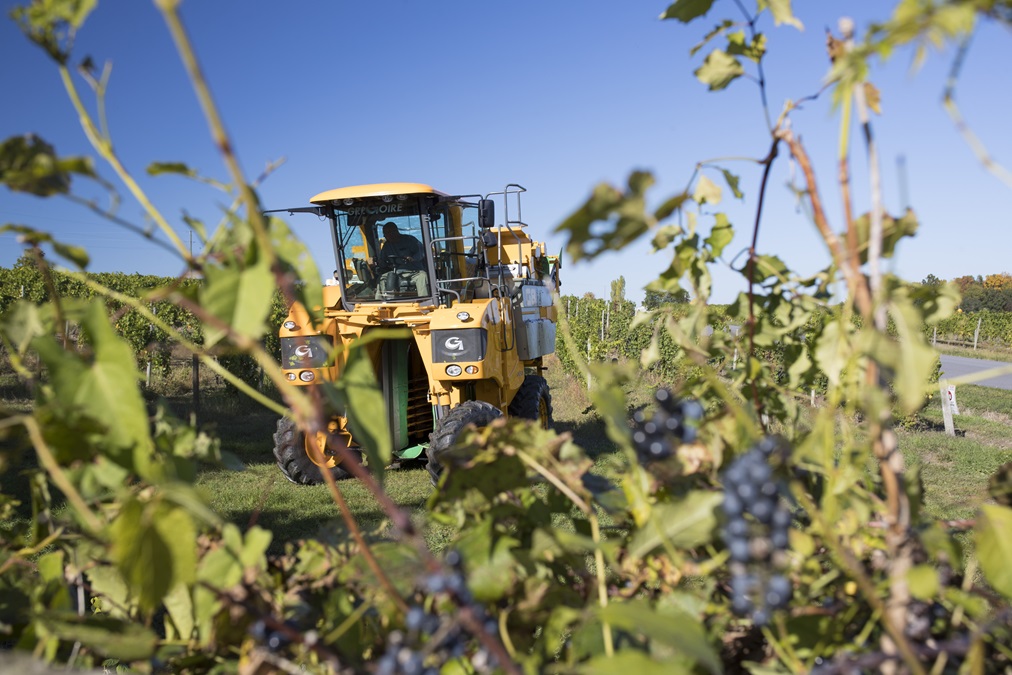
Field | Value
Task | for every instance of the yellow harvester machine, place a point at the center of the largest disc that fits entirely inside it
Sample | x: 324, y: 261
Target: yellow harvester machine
x: 476, y: 296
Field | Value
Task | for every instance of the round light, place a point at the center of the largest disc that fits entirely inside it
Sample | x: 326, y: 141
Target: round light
x: 290, y: 325
x: 349, y: 202
x: 307, y: 376
x: 402, y: 197
x: 471, y: 370
x: 463, y: 316
x: 387, y: 198
x: 291, y: 376
x: 453, y: 370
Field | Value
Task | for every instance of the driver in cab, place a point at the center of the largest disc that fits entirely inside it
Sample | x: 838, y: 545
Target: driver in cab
x: 401, y: 260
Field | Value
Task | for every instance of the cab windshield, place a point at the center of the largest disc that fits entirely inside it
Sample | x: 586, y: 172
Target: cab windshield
x: 381, y: 251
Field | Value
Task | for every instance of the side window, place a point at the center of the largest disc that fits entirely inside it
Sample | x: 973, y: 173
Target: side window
x: 443, y: 245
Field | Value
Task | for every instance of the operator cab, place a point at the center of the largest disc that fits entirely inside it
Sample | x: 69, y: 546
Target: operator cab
x: 407, y: 242
x: 404, y: 242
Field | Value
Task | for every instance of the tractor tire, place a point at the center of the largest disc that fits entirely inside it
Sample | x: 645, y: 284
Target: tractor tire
x: 533, y: 401
x: 478, y: 413
x: 290, y: 453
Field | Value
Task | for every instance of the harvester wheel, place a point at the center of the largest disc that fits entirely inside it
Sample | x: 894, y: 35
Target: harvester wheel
x: 533, y: 401
x: 478, y: 413
x: 290, y: 452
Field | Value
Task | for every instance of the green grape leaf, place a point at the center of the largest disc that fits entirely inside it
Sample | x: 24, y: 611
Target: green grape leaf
x: 489, y: 563
x: 103, y: 387
x: 652, y: 353
x: 254, y: 548
x: 687, y: 10
x: 111, y: 637
x: 916, y: 358
x: 21, y: 324
x: 297, y: 261
x: 684, y: 523
x: 720, y: 235
x: 630, y: 661
x: 670, y: 625
x: 830, y: 352
x: 110, y: 591
x: 665, y: 236
x: 179, y: 605
x: 624, y: 215
x: 718, y: 29
x: 767, y: 266
x: 782, y: 13
x: 732, y: 182
x: 219, y: 569
x: 706, y: 192
x: 738, y: 46
x: 240, y: 298
x: 197, y: 226
x: 153, y: 549
x: 74, y: 254
x: 367, y: 411
x: 994, y: 546
x: 923, y: 581
x: 671, y: 205
x: 158, y: 168
x: 30, y: 164
x: 719, y: 69
x: 893, y: 230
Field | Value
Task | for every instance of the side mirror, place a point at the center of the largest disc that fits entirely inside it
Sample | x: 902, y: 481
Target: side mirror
x: 486, y: 214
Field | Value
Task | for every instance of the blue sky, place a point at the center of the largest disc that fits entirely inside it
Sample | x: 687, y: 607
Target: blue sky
x: 470, y: 96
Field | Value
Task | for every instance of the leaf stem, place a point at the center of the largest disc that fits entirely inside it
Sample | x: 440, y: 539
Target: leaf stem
x: 59, y: 478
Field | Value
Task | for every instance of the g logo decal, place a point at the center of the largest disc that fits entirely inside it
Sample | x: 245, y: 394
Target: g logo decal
x: 454, y: 344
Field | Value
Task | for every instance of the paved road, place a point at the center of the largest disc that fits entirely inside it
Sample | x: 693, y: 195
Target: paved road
x: 955, y: 366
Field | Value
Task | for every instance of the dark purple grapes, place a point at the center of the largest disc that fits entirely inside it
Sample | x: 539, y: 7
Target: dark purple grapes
x: 430, y: 640
x: 757, y: 533
x: 671, y: 423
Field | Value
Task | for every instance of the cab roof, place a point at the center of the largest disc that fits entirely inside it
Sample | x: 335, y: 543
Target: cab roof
x: 375, y: 190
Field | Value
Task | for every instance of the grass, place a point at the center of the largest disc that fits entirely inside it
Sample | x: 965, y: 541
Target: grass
x: 955, y: 470
x: 983, y: 352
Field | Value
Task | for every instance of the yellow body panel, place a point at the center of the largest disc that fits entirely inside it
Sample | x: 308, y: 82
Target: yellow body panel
x: 374, y: 190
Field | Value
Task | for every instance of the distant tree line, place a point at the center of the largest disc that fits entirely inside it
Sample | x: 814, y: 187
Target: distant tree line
x: 992, y: 292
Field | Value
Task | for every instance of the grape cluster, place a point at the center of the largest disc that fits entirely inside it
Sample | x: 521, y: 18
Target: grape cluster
x: 430, y: 640
x: 276, y: 639
x: 756, y: 533
x: 671, y: 424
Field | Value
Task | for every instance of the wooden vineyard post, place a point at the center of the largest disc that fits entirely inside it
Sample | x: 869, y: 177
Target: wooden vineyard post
x: 950, y: 429
x: 195, y: 381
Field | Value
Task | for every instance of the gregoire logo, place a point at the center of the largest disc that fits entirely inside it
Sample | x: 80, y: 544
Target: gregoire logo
x: 454, y: 344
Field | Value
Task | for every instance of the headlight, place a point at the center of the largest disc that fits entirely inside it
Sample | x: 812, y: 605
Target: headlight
x: 307, y: 376
x: 463, y: 316
x: 291, y: 376
x: 289, y: 325
x: 453, y: 370
x: 471, y: 370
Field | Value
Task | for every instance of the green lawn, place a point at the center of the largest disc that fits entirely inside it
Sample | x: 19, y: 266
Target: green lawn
x: 982, y: 352
x: 956, y: 469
